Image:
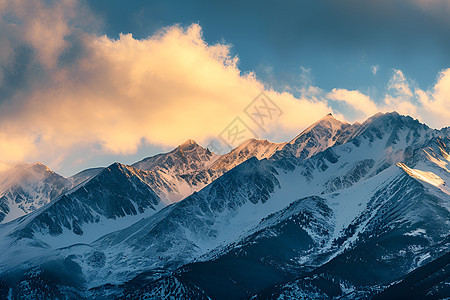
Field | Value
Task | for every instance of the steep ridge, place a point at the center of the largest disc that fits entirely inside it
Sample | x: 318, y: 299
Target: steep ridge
x: 358, y: 219
x: 27, y: 187
x: 178, y: 233
x: 268, y: 255
x: 180, y: 172
x: 404, y: 227
x: 185, y: 158
x: 310, y: 177
x: 106, y: 199
x: 321, y: 135
x: 343, y: 198
x: 252, y: 148
x: 190, y: 167
x: 84, y: 176
x: 115, y: 198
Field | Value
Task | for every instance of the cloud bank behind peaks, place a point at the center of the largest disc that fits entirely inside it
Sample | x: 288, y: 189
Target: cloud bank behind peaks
x: 430, y: 106
x: 66, y: 90
x: 117, y: 93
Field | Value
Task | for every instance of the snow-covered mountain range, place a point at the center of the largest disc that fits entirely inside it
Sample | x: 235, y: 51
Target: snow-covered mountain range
x: 341, y: 211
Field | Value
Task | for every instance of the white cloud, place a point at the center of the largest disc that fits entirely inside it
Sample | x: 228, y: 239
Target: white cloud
x: 436, y: 102
x: 120, y: 92
x: 431, y: 106
x: 374, y: 69
x: 400, y: 85
x: 355, y: 100
x: 400, y: 96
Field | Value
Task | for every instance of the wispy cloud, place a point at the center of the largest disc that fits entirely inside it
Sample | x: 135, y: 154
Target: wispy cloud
x: 355, y: 101
x: 374, y: 69
x: 402, y: 95
x: 435, y: 102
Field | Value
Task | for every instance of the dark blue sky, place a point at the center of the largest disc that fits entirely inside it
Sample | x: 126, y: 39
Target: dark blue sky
x: 337, y: 40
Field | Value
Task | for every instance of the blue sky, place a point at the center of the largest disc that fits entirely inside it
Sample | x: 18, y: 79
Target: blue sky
x: 87, y: 83
x: 338, y: 41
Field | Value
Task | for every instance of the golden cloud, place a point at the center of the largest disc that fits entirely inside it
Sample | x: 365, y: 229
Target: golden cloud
x: 436, y: 102
x: 119, y: 93
x: 162, y: 90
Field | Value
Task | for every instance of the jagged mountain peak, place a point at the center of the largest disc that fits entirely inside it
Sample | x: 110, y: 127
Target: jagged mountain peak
x: 256, y: 142
x: 321, y: 135
x: 115, y: 192
x: 38, y: 164
x: 189, y: 147
x: 120, y: 170
x: 117, y: 165
x: 328, y: 125
x: 25, y: 187
x: 383, y: 116
x: 253, y: 144
x: 328, y: 116
x: 114, y: 167
x: 392, y: 119
x: 344, y: 202
x: 189, y: 144
x: 328, y: 122
x: 15, y: 173
x: 259, y: 149
x: 186, y: 157
x: 40, y: 167
x: 395, y: 128
x: 84, y: 175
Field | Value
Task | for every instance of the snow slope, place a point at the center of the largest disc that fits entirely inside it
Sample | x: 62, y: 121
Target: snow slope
x: 321, y: 135
x: 337, y: 189
x: 379, y: 200
x: 115, y: 198
x: 231, y: 206
x: 190, y: 167
x: 27, y: 187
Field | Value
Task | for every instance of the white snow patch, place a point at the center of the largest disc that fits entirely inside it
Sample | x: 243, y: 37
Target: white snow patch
x: 417, y: 232
x: 426, y: 176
